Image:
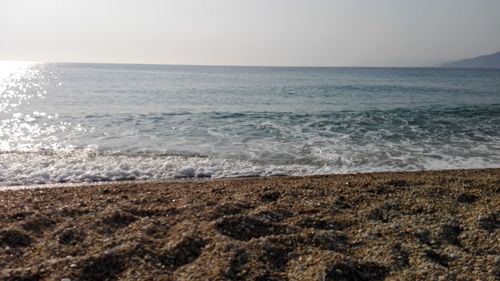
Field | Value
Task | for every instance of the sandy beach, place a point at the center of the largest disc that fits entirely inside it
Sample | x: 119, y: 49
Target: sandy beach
x: 438, y: 225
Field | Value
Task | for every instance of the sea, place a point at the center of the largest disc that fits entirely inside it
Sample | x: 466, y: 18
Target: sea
x: 80, y: 123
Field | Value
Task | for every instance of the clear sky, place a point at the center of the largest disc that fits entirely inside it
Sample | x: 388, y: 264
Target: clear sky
x: 250, y: 32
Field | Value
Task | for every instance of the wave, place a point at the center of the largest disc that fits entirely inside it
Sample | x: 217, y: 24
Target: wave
x: 345, y: 141
x: 75, y: 123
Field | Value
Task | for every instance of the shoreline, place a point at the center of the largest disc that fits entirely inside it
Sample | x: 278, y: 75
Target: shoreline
x: 203, y: 179
x: 374, y: 226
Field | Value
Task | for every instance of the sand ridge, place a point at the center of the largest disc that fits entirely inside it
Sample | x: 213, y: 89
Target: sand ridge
x: 440, y: 225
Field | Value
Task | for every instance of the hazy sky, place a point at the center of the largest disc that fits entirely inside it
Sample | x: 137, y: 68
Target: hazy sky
x: 250, y: 32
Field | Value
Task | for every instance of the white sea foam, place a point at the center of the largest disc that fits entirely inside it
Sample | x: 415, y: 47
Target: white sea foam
x: 82, y: 166
x: 31, y: 168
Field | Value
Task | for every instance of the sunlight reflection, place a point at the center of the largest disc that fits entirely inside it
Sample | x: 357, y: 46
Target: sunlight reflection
x: 19, y: 82
x: 24, y: 127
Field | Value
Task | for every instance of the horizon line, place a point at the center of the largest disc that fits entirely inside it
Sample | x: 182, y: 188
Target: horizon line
x: 216, y: 65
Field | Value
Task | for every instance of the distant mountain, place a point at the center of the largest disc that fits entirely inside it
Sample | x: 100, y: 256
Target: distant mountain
x: 487, y: 61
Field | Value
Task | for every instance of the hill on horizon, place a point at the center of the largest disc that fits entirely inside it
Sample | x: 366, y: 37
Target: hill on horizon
x: 486, y: 61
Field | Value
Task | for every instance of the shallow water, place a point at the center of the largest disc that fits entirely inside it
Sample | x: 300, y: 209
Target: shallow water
x: 102, y: 122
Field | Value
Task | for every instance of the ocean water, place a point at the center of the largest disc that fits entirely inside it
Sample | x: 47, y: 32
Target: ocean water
x: 105, y: 122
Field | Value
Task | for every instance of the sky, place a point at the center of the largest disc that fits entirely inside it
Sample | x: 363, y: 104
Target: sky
x: 250, y: 32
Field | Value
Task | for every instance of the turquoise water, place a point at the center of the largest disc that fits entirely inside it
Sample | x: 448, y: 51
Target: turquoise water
x: 103, y: 122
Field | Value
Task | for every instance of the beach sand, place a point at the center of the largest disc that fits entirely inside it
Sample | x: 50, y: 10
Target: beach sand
x: 437, y: 225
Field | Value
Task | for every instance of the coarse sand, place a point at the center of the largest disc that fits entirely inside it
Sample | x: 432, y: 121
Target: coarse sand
x: 435, y: 225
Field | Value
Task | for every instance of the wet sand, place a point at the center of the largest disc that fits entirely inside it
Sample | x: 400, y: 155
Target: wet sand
x: 440, y: 225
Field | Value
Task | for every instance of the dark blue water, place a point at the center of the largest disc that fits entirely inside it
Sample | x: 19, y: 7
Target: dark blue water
x: 99, y: 122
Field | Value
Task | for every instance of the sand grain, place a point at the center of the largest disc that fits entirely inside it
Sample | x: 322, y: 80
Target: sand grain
x: 387, y: 226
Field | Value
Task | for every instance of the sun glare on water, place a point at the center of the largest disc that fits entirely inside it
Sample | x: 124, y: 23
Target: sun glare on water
x: 18, y: 83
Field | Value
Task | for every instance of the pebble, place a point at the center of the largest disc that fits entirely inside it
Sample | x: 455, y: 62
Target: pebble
x: 312, y: 250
